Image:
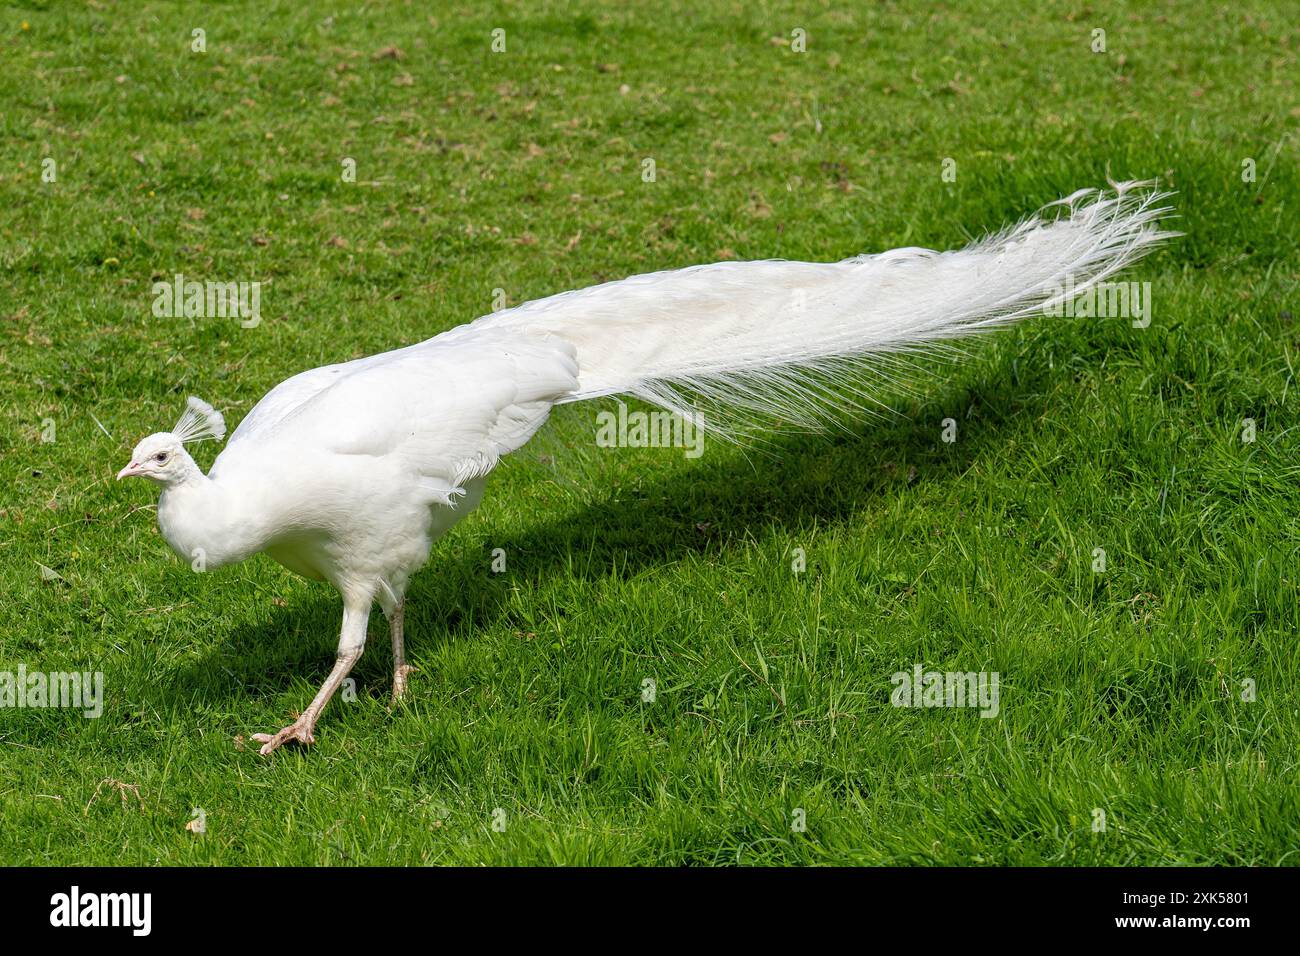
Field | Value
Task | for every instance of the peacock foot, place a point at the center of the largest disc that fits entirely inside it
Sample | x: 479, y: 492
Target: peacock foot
x: 399, y: 681
x: 300, y: 730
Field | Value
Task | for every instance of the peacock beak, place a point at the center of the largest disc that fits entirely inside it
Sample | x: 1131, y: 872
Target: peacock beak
x: 131, y: 469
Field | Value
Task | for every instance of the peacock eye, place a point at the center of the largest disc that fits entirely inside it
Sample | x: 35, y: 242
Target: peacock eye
x: 160, y: 457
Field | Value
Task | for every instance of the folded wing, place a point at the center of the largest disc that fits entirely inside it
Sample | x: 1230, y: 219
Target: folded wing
x: 444, y: 410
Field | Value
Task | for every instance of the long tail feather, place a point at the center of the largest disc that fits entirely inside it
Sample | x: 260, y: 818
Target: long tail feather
x: 800, y: 341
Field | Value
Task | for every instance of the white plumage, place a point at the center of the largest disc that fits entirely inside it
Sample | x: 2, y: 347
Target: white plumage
x: 350, y: 472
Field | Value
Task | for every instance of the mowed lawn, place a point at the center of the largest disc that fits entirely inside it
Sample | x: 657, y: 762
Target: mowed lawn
x: 1149, y: 712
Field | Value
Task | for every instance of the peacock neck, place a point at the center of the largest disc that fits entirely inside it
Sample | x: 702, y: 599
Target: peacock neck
x: 203, y: 523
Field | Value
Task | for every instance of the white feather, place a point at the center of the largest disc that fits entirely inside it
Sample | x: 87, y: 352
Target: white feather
x: 789, y: 340
x: 200, y: 421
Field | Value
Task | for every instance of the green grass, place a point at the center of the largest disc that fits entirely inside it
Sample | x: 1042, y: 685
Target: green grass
x: 1121, y: 690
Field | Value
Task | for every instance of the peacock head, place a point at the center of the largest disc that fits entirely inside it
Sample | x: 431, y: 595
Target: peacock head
x: 162, y: 457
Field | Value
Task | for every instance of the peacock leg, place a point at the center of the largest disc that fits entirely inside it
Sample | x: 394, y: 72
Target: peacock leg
x: 352, y: 641
x: 400, y: 667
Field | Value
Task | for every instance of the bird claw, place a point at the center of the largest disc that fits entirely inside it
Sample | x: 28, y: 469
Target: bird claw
x: 399, y: 681
x: 299, y: 731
